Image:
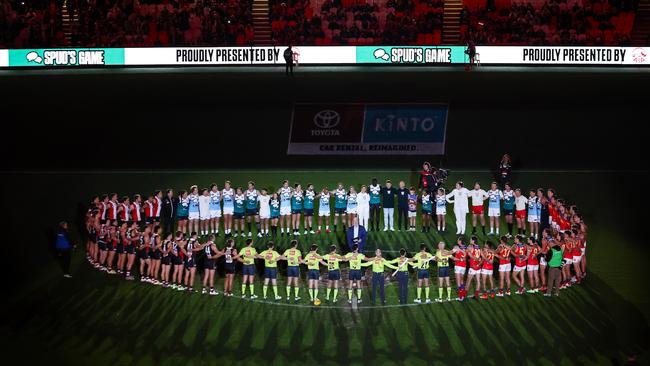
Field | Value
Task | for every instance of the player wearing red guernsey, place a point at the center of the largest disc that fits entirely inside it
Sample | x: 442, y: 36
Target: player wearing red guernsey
x: 545, y: 247
x: 103, y: 208
x: 532, y: 266
x: 136, y: 210
x: 157, y: 205
x: 460, y: 267
x: 475, y: 261
x: 502, y: 253
x: 519, y: 252
x: 148, y: 208
x: 123, y: 209
x: 487, y: 270
x: 112, y: 209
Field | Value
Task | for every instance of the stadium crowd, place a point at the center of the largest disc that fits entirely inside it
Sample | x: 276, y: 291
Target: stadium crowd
x: 173, y: 234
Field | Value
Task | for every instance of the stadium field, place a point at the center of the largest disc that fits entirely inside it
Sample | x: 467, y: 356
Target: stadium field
x: 99, y: 319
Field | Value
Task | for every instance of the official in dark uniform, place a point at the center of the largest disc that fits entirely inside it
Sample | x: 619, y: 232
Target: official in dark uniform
x: 169, y: 204
x: 288, y: 58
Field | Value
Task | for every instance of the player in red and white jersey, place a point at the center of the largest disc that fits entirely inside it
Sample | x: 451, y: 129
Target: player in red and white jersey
x: 577, y: 255
x: 460, y: 267
x: 112, y: 209
x: 519, y: 252
x: 502, y: 253
x: 123, y: 210
x: 520, y: 211
x: 582, y: 236
x: 157, y: 205
x: 149, y: 211
x: 545, y: 247
x: 136, y: 210
x: 567, y: 258
x: 103, y: 208
x: 487, y: 270
x: 478, y: 196
x: 532, y: 266
x: 475, y: 261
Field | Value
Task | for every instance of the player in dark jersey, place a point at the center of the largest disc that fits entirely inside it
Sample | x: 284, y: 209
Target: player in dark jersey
x: 144, y: 254
x: 166, y: 259
x: 211, y: 253
x: 229, y: 253
x: 155, y: 254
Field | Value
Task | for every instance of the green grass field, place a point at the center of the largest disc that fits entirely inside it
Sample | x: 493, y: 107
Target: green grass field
x: 103, y: 320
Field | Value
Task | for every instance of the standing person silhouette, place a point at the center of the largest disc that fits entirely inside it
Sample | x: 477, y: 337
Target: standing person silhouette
x: 288, y: 58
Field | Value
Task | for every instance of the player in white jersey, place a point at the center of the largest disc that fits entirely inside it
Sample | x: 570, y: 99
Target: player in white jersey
x: 520, y: 211
x: 478, y: 196
x: 228, y: 198
x: 324, y: 209
x: 534, y: 208
x: 495, y: 196
x: 285, y: 207
x: 441, y: 209
x: 461, y: 208
x: 265, y: 211
x: 215, y: 209
x: 194, y: 214
x: 353, y: 206
x: 363, y: 202
x: 204, y: 211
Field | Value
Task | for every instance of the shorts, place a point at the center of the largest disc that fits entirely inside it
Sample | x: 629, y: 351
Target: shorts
x: 166, y: 260
x: 204, y: 215
x: 322, y: 213
x: 532, y: 267
x: 423, y: 273
x: 215, y: 214
x: 352, y: 211
x: 177, y: 260
x: 129, y: 249
x: 309, y: 212
x: 519, y: 268
x: 230, y: 268
x: 412, y: 214
x: 477, y: 210
x: 156, y: 219
x: 143, y: 254
x: 494, y: 212
x: 119, y: 249
x: 375, y: 206
x: 339, y: 211
x: 183, y: 217
x: 334, y: 275
x: 473, y: 271
x: 426, y: 212
x: 194, y: 215
x: 487, y: 271
x: 209, y: 264
x: 505, y: 267
x: 284, y: 211
x: 101, y: 245
x: 314, y: 274
x: 293, y: 271
x: 354, y: 275
x: 251, y: 211
x: 275, y: 215
x: 567, y: 261
x: 189, y: 263
x: 577, y: 259
x: 271, y: 273
x: 248, y: 270
x: 156, y: 255
x: 533, y: 218
x: 443, y: 271
x: 507, y: 211
x: 520, y: 214
x: 542, y: 261
x: 238, y: 215
x: 228, y: 210
x: 149, y: 220
x: 460, y: 270
x: 265, y: 215
x: 441, y: 211
x: 296, y: 211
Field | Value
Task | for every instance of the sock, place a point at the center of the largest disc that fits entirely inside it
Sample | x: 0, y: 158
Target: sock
x: 296, y: 291
x: 252, y: 288
x: 327, y: 297
x: 264, y: 288
x: 419, y: 292
x: 440, y: 292
x: 318, y: 227
x: 510, y: 228
x: 426, y: 292
x: 288, y: 291
x: 358, y: 293
x: 349, y: 294
x: 336, y: 293
x: 275, y: 290
x: 311, y: 294
x: 243, y: 289
x: 248, y: 225
x: 257, y: 226
x: 327, y: 227
x: 315, y: 293
x: 448, y: 293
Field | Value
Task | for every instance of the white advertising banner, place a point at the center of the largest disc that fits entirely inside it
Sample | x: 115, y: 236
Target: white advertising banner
x: 563, y: 55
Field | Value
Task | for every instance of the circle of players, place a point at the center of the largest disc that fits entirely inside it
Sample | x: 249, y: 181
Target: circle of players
x: 119, y: 231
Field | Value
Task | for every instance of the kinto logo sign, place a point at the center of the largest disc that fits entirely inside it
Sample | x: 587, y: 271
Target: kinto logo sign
x: 326, y: 120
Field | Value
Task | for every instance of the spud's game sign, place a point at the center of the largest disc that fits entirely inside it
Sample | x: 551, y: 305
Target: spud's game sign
x: 368, y: 129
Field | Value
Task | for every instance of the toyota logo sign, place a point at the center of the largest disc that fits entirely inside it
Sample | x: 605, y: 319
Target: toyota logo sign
x: 327, y: 118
